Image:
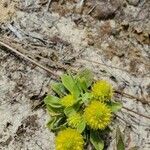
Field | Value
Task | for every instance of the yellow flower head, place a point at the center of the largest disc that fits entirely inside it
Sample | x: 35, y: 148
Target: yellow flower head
x: 69, y: 139
x: 102, y: 90
x: 97, y: 115
x: 68, y: 100
x: 74, y: 120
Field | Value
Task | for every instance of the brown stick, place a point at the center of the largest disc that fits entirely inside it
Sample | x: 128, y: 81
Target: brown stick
x: 143, y: 101
x: 104, y: 64
x: 49, y: 3
x: 136, y: 112
x: 90, y: 11
x: 27, y: 58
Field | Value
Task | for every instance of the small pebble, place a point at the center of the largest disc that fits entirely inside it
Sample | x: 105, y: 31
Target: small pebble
x: 5, y: 4
x: 133, y: 2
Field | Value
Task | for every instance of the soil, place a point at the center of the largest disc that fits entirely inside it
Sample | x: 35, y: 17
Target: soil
x: 7, y: 8
x: 112, y: 38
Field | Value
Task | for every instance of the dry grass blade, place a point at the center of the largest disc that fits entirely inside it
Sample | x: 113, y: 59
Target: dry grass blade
x: 27, y: 58
x: 136, y: 112
x: 143, y: 101
x: 92, y: 61
x: 49, y: 3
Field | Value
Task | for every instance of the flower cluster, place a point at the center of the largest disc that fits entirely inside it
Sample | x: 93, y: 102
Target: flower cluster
x: 69, y: 139
x: 102, y: 90
x: 74, y: 120
x: 68, y: 100
x: 97, y: 115
x: 80, y: 109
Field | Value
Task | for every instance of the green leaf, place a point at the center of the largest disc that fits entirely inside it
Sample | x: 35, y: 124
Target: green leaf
x: 54, y: 111
x: 87, y: 75
x: 58, y: 88
x: 53, y: 101
x: 85, y: 79
x: 81, y: 126
x: 69, y: 111
x: 70, y: 84
x: 53, y: 106
x: 86, y: 97
x: 96, y: 140
x: 115, y: 106
x: 119, y: 140
x: 56, y: 123
x: 82, y: 84
x: 51, y: 122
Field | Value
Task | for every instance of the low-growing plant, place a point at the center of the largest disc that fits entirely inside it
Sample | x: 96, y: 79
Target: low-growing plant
x: 81, y: 111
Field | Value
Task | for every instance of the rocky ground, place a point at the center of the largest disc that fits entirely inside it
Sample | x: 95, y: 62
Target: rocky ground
x: 110, y: 37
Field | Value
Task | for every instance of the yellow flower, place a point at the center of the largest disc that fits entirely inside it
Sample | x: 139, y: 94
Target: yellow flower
x: 68, y: 100
x: 102, y: 90
x: 74, y: 120
x: 69, y: 139
x: 97, y: 115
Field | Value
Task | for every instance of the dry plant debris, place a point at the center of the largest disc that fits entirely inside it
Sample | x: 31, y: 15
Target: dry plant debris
x: 7, y: 8
x: 112, y: 42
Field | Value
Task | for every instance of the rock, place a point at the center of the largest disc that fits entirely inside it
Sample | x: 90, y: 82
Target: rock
x: 133, y: 2
x: 125, y: 25
x: 103, y: 12
x: 106, y: 10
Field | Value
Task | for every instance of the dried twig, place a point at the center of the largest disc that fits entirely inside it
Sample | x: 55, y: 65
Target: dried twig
x: 39, y: 145
x: 135, y: 112
x: 126, y: 122
x: 33, y: 55
x: 49, y: 3
x: 92, y: 61
x: 90, y: 11
x: 27, y: 58
x: 15, y: 31
x: 143, y: 101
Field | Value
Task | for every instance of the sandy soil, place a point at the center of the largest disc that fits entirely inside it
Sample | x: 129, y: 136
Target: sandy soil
x: 113, y: 42
x: 7, y: 8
